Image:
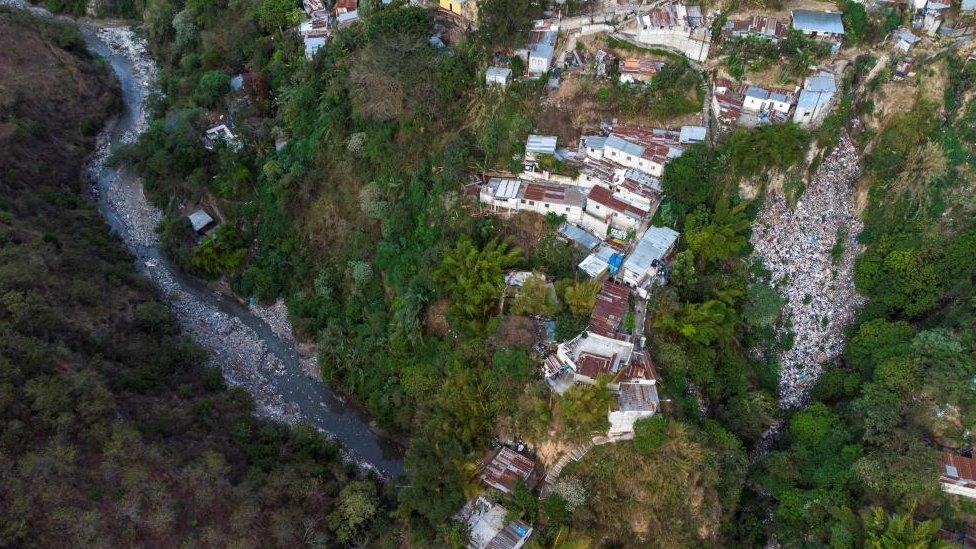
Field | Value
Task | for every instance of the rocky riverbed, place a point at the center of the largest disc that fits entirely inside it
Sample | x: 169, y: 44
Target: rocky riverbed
x: 810, y: 251
x: 253, y: 346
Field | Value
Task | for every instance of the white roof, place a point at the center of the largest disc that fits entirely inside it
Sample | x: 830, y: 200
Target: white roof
x: 823, y: 82
x: 692, y: 134
x: 199, y: 220
x: 348, y: 17
x: 498, y: 73
x: 652, y: 246
x: 543, y: 144
x: 504, y: 188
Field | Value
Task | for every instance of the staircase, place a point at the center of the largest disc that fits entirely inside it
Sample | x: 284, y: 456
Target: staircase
x: 576, y: 454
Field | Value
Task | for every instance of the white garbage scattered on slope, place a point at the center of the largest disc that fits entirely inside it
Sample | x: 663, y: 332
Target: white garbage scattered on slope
x: 795, y: 245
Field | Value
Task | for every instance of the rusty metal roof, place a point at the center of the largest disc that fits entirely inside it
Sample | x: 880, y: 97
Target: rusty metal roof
x: 506, y: 469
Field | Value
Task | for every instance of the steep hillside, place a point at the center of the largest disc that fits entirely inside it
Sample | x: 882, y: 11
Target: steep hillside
x: 113, y: 431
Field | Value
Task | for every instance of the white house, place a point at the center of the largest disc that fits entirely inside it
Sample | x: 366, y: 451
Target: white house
x: 644, y: 149
x: 604, y: 210
x: 221, y: 134
x: 958, y: 475
x: 905, y: 39
x: 816, y: 98
x: 507, y: 196
x: 498, y: 76
x: 646, y: 260
x: 758, y: 99
x: 592, y: 145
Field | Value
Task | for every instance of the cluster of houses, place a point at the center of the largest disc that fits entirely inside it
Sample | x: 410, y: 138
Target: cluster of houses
x: 613, y: 198
x: 607, y: 351
x: 486, y: 521
x: 749, y: 105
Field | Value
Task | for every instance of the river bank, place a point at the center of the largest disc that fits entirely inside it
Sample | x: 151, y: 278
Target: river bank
x: 254, y: 348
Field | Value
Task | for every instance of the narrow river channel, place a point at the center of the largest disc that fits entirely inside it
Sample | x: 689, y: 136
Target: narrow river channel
x: 248, y: 351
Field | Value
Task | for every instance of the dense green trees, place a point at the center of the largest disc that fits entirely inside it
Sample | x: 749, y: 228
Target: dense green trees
x: 474, y: 278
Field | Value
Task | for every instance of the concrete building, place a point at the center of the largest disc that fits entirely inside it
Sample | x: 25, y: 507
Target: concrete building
x: 646, y: 261
x: 816, y: 98
x: 676, y: 26
x: 958, y: 474
x: 507, y: 196
x: 632, y: 402
x: 644, y: 149
x: 538, y: 54
x: 604, y: 210
x: 499, y: 76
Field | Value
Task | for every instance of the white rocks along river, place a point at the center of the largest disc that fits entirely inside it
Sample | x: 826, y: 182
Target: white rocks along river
x: 250, y: 352
x: 796, y: 246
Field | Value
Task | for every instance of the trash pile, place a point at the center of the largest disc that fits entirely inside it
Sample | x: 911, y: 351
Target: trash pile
x: 802, y: 249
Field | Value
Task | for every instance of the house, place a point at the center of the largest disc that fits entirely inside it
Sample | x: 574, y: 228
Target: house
x: 498, y: 76
x: 540, y: 144
x: 646, y: 261
x: 930, y: 16
x: 905, y: 39
x: 676, y: 26
x: 592, y: 145
x: 825, y: 26
x: 578, y: 236
x: 221, y: 134
x: 691, y: 134
x: 604, y: 258
x: 508, y: 196
x: 749, y: 105
x: 644, y: 149
x: 632, y: 402
x: 347, y: 18
x: 237, y: 83
x: 816, y: 98
x: 200, y: 221
x: 967, y: 5
x: 345, y: 6
x: 904, y: 68
x: 519, y: 278
x: 314, y: 8
x: 507, y: 469
x: 315, y: 33
x: 538, y: 54
x: 757, y: 26
x: 604, y: 210
x: 958, y: 474
x: 638, y: 70
x: 488, y: 528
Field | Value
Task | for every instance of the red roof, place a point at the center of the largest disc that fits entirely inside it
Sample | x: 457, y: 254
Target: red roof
x: 345, y: 5
x: 640, y: 367
x: 591, y: 365
x: 602, y: 195
x: 965, y: 467
x: 506, y: 469
x: 612, y: 304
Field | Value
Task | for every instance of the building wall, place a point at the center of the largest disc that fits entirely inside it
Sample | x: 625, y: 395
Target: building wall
x: 639, y: 163
x: 959, y: 490
x: 623, y: 422
x: 678, y: 38
x: 594, y: 222
x: 538, y: 64
x: 806, y: 116
x: 572, y: 213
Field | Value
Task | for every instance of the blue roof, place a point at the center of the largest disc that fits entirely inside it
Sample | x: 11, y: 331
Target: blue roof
x: 616, y: 260
x: 823, y: 82
x: 818, y: 21
x: 616, y: 142
x: 692, y: 134
x: 968, y: 5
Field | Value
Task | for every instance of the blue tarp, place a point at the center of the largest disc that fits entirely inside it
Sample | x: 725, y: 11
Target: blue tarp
x: 616, y: 261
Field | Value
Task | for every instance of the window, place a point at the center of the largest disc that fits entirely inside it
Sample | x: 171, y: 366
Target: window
x: 567, y: 208
x: 531, y: 203
x: 523, y: 201
x: 547, y: 205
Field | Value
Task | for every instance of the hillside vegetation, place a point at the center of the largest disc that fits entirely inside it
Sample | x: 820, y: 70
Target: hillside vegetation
x: 114, y: 432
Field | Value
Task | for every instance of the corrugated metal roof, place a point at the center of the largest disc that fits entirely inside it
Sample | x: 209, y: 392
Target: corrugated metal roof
x: 612, y: 304
x: 504, y: 188
x: 199, y: 220
x: 653, y: 245
x: 818, y: 21
x: 637, y: 397
x: 823, y: 82
x: 499, y: 73
x: 541, y: 144
x: 616, y: 142
x: 506, y: 469
x: 581, y: 237
x: 692, y: 134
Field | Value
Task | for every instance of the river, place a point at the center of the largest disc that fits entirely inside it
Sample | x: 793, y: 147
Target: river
x: 250, y: 352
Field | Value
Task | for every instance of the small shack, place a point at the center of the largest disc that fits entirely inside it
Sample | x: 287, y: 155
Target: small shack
x: 201, y: 221
x: 498, y: 76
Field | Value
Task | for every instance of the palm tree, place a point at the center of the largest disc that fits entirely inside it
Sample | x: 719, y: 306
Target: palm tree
x: 900, y: 530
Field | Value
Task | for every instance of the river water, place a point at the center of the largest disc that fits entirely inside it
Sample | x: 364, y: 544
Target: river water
x: 249, y: 352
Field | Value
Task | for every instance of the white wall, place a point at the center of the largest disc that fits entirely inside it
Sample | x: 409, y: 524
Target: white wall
x: 678, y: 38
